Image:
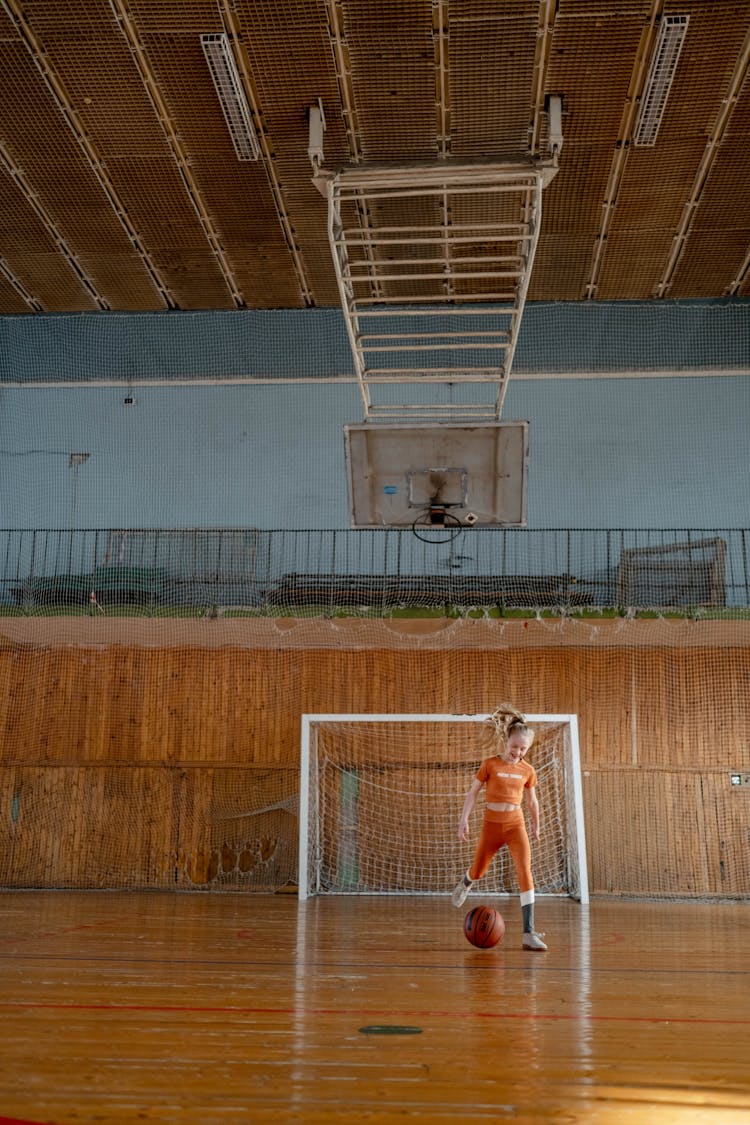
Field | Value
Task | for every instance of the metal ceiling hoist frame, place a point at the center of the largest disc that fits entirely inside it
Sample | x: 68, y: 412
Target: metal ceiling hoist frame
x: 433, y: 263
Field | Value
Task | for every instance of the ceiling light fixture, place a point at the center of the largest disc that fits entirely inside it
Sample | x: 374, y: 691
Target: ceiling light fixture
x: 660, y: 75
x: 226, y: 79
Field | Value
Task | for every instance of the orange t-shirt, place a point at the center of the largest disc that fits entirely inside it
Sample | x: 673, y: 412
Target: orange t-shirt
x: 505, y: 781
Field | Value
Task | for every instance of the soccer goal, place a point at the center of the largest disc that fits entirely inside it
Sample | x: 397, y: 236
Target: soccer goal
x: 381, y: 796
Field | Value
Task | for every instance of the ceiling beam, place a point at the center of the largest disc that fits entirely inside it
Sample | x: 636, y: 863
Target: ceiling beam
x: 344, y: 79
x: 33, y: 304
x: 622, y: 145
x: 545, y: 32
x: 40, y: 58
x: 17, y: 174
x: 440, y: 34
x: 227, y: 11
x: 179, y: 155
x: 740, y: 278
x: 710, y: 155
x: 351, y: 127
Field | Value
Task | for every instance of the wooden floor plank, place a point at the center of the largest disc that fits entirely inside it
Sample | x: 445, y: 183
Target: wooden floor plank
x: 228, y: 1008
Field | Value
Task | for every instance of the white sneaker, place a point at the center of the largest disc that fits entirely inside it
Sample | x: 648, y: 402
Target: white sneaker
x: 533, y: 941
x: 458, y: 898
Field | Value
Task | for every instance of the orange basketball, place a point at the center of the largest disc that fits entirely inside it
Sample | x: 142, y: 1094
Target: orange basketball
x: 484, y: 926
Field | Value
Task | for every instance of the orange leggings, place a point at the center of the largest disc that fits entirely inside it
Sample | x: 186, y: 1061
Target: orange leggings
x: 504, y: 828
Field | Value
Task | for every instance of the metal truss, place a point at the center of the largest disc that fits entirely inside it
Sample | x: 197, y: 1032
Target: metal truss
x: 433, y: 265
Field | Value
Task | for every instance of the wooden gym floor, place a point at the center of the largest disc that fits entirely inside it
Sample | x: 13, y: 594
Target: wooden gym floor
x: 253, y: 1008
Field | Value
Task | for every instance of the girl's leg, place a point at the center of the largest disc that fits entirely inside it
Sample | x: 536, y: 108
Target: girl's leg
x: 491, y: 839
x: 520, y: 850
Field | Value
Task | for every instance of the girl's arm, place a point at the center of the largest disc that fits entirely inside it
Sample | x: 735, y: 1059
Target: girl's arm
x: 533, y: 803
x: 471, y: 798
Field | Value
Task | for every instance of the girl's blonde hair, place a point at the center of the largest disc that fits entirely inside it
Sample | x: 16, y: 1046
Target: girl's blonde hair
x: 507, y: 720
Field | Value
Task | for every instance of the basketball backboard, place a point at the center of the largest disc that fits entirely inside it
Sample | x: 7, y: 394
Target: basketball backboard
x: 472, y: 475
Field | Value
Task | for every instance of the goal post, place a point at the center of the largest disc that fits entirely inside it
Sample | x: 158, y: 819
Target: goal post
x: 381, y: 796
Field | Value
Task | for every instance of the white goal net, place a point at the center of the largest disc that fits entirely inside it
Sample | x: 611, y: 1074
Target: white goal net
x: 381, y: 796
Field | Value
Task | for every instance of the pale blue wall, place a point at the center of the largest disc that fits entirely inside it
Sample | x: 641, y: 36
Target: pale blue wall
x: 627, y: 452
x: 606, y: 453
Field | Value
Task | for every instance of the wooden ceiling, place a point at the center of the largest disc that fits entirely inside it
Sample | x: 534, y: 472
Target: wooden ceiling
x: 120, y: 188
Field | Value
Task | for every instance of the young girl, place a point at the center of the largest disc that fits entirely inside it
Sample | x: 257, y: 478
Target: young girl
x: 506, y: 776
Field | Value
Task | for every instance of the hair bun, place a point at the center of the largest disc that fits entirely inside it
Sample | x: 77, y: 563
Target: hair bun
x: 505, y: 717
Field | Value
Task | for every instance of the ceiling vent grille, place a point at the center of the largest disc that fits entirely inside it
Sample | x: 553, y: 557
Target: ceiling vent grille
x: 226, y: 79
x: 660, y: 76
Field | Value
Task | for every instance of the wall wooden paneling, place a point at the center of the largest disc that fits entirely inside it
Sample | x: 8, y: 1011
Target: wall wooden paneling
x: 127, y: 766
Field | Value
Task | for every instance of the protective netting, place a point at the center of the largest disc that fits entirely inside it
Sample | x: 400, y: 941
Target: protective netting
x: 162, y: 752
x: 152, y: 680
x: 384, y: 798
x: 556, y: 337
